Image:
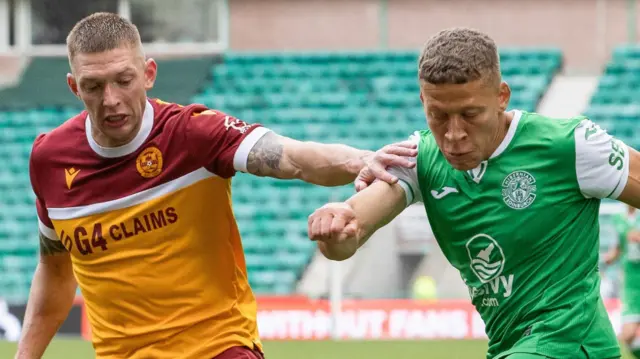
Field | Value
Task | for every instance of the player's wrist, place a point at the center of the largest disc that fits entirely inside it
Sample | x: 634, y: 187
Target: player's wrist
x: 359, y: 162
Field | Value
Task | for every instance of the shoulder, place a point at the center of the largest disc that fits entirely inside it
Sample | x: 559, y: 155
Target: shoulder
x: 421, y: 135
x: 169, y: 114
x: 57, y: 149
x: 550, y: 137
x: 425, y: 141
x: 70, y: 135
x: 550, y: 128
x: 179, y: 117
x: 167, y: 110
x: 429, y: 154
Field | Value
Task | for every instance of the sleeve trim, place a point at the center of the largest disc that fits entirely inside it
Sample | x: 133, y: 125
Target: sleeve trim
x: 242, y: 153
x: 48, y: 232
x: 408, y: 191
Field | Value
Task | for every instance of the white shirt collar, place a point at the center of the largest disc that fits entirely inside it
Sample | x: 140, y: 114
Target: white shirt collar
x: 141, y: 136
x: 509, y: 136
x: 477, y: 173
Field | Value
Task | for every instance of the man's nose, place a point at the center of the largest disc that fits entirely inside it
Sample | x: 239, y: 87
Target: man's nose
x: 111, y: 98
x: 456, y: 130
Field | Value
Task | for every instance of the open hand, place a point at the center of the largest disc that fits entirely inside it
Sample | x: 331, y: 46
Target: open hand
x: 391, y: 155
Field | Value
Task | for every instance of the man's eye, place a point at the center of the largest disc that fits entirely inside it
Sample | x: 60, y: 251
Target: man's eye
x: 438, y: 116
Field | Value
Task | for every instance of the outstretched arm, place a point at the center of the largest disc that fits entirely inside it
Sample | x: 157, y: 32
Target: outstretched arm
x: 225, y: 145
x: 323, y: 164
x: 342, y: 228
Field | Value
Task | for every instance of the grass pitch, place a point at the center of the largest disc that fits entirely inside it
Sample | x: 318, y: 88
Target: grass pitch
x: 441, y: 349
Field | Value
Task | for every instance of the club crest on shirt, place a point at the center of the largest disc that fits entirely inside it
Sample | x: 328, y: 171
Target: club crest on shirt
x: 519, y: 189
x: 149, y: 162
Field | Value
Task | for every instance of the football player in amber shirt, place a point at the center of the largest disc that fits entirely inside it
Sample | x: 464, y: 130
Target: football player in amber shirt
x: 134, y: 206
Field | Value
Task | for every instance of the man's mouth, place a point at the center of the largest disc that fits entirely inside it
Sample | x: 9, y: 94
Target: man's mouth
x: 115, y: 121
x: 458, y: 154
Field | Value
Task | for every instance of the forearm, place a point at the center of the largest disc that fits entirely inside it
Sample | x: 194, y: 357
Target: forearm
x: 50, y: 301
x: 52, y: 291
x: 323, y: 164
x: 377, y: 206
x: 327, y: 164
x: 374, y: 207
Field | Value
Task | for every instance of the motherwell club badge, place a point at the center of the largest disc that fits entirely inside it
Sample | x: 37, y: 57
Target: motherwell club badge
x: 149, y: 162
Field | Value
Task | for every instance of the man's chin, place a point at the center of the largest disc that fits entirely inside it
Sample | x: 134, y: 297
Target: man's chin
x: 463, y: 164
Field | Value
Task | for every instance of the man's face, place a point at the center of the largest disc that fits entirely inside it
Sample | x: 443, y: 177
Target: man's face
x: 113, y: 86
x: 465, y: 119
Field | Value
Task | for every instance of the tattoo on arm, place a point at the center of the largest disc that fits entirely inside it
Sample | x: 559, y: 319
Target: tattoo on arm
x: 264, y: 158
x: 49, y: 247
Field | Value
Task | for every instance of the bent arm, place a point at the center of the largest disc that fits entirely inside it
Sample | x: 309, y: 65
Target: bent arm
x: 50, y: 300
x: 374, y: 208
x: 322, y: 164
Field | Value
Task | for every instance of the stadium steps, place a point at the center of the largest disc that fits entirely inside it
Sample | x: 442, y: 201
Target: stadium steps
x: 615, y: 105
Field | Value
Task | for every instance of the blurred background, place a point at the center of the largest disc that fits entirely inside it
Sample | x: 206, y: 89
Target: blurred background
x: 340, y: 71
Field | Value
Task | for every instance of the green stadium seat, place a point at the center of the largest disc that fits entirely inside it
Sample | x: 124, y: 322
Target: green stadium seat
x: 615, y: 105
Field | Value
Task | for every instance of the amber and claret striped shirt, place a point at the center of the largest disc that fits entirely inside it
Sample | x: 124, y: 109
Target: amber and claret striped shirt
x: 150, y: 230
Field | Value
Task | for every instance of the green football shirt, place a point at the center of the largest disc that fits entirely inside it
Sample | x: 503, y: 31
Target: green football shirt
x: 522, y: 229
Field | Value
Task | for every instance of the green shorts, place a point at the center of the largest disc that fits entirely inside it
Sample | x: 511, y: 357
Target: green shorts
x: 630, y: 305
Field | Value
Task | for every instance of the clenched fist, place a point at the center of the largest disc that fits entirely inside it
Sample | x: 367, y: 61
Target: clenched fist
x: 335, y: 228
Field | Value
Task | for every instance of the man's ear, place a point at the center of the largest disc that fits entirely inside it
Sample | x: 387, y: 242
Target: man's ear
x: 73, y: 85
x: 504, y: 96
x: 150, y: 73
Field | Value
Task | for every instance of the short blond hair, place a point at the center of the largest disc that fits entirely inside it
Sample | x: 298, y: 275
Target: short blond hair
x: 458, y: 56
x: 101, y: 31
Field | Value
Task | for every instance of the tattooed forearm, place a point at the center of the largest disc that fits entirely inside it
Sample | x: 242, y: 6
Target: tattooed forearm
x: 50, y: 247
x: 265, y: 156
x: 323, y: 164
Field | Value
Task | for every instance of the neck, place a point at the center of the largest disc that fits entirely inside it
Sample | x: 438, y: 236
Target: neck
x: 108, y: 142
x: 504, y: 121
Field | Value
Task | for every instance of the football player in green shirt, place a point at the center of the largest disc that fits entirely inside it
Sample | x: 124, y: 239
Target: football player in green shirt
x: 512, y: 198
